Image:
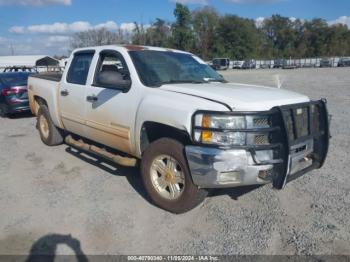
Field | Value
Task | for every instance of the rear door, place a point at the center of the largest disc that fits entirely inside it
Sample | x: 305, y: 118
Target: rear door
x: 72, y: 92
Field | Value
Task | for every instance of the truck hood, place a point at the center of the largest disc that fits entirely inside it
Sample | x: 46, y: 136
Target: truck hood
x: 240, y: 97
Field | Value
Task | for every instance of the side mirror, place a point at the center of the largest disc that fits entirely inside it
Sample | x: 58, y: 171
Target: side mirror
x: 113, y: 80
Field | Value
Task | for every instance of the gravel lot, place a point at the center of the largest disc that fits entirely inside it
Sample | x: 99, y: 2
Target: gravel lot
x: 52, y: 196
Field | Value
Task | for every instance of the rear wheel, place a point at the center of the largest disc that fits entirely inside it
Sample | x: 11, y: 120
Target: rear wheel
x: 167, y: 178
x: 49, y: 133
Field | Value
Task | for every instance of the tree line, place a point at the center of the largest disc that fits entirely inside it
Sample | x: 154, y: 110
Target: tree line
x: 208, y: 34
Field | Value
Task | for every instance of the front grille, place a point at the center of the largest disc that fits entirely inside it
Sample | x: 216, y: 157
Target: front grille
x: 261, y: 122
x: 301, y: 122
x: 315, y: 110
x: 289, y: 124
x: 262, y: 140
x: 297, y: 122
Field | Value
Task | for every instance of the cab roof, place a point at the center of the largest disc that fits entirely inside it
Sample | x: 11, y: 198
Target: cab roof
x: 129, y: 47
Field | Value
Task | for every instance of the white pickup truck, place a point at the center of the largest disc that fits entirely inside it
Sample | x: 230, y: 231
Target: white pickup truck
x: 191, y: 130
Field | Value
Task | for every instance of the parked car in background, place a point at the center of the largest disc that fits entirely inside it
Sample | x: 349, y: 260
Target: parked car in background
x: 279, y: 63
x: 13, y: 93
x: 249, y: 64
x: 289, y: 64
x: 265, y: 65
x: 20, y: 69
x: 326, y: 62
x: 309, y: 65
x: 221, y: 63
x: 237, y: 64
x: 345, y: 61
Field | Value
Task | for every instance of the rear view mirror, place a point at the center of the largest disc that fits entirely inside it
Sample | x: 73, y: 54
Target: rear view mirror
x: 114, y: 80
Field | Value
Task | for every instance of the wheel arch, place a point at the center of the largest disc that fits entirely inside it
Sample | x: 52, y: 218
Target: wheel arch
x: 36, y: 102
x: 152, y: 131
x: 51, y: 106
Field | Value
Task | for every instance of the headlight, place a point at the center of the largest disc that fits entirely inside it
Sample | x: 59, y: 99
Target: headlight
x: 227, y: 130
x: 221, y: 121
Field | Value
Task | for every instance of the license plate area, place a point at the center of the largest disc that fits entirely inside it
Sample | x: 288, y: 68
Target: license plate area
x: 300, y: 157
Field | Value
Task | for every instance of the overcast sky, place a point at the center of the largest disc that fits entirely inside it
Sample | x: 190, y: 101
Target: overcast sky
x: 44, y: 26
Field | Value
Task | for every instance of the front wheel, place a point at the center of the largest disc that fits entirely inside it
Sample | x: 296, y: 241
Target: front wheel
x: 167, y: 178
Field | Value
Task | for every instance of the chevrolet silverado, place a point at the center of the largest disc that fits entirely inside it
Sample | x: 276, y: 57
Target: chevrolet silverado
x: 190, y: 130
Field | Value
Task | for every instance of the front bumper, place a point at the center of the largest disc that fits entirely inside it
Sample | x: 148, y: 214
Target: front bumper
x: 290, y: 156
x: 215, y: 168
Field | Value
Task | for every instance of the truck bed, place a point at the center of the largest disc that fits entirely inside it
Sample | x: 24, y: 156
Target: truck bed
x: 52, y: 76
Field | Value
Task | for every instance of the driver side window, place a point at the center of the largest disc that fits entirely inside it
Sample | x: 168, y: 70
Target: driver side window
x: 111, y: 70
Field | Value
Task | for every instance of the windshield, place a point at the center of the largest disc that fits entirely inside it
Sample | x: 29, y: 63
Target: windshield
x: 10, y: 80
x: 156, y: 68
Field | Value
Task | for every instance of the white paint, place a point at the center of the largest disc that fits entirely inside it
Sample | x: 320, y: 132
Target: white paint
x: 173, y: 105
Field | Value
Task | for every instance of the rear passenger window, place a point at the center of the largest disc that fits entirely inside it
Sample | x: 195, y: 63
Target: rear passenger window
x: 79, y: 69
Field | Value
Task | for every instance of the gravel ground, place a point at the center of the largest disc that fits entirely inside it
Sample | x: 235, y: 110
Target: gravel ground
x: 53, y: 196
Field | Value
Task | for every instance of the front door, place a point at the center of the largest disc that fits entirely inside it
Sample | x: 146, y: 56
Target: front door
x: 110, y: 113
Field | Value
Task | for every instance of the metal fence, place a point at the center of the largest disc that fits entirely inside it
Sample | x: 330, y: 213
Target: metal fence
x: 291, y: 62
x: 300, y: 62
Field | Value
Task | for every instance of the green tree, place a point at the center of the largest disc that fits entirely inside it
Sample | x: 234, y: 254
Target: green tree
x: 338, y: 40
x: 158, y: 34
x: 205, y: 22
x: 237, y: 38
x: 139, y: 34
x: 281, y: 33
x: 182, y: 35
x: 315, y: 37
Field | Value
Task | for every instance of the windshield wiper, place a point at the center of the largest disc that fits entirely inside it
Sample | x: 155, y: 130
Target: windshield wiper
x: 181, y: 82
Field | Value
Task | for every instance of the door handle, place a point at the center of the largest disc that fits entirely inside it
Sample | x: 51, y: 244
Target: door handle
x: 92, y: 98
x: 64, y: 92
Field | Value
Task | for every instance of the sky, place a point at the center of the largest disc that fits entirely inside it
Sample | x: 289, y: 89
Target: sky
x: 44, y: 27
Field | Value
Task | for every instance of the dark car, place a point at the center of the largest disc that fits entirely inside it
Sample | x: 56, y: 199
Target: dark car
x: 326, y: 62
x: 13, y: 93
x: 279, y: 63
x: 344, y: 62
x: 249, y: 64
x: 221, y: 63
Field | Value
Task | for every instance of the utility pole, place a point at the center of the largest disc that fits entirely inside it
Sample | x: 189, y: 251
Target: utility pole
x: 12, y: 49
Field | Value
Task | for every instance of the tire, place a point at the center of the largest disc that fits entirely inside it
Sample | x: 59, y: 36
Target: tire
x: 49, y: 133
x: 3, y: 111
x: 190, y: 196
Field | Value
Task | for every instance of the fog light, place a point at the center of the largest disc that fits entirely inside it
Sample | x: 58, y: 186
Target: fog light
x: 265, y: 174
x: 230, y: 176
